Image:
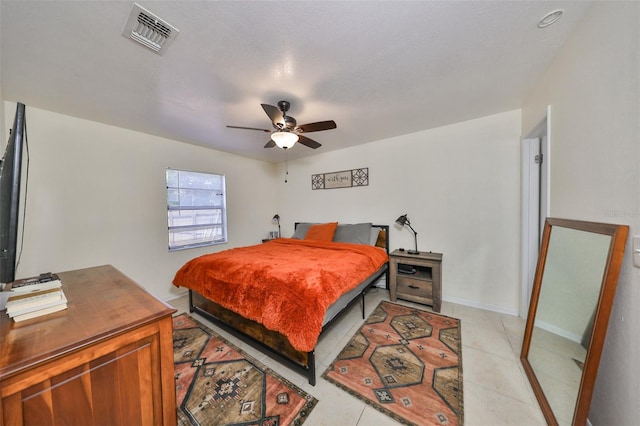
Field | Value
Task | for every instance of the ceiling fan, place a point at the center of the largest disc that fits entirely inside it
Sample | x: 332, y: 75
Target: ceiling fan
x: 286, y: 130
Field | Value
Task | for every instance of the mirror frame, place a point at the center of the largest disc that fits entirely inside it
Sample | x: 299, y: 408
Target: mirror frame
x: 613, y: 264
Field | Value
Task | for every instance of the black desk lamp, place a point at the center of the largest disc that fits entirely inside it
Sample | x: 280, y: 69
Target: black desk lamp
x: 276, y: 219
x: 404, y: 220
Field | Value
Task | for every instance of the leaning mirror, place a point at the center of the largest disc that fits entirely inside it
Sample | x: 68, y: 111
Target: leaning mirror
x: 572, y: 295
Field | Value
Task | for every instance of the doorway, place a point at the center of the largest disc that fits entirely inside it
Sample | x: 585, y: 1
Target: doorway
x: 535, y: 161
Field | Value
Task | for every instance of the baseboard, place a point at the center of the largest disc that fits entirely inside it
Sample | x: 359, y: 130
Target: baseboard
x: 559, y: 331
x: 485, y: 306
x: 184, y: 292
x: 382, y: 283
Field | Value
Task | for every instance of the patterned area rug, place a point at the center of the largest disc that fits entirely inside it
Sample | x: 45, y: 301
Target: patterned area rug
x: 218, y: 384
x: 406, y: 363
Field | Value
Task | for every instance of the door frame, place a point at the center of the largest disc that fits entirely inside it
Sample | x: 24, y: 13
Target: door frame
x: 535, y: 202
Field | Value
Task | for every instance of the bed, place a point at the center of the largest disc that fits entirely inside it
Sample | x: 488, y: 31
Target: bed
x: 280, y: 296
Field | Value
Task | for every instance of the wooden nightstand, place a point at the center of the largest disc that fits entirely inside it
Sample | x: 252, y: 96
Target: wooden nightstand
x: 416, y: 277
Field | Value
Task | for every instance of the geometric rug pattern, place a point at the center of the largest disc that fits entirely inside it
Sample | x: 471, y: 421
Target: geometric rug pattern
x: 406, y: 363
x: 218, y: 384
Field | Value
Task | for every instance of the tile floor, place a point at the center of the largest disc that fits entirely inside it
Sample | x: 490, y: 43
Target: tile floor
x: 496, y: 390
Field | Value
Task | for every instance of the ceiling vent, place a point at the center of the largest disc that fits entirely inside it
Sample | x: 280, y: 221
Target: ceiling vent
x: 149, y: 30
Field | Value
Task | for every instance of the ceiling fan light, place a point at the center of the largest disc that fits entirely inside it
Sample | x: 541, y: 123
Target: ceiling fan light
x: 284, y: 140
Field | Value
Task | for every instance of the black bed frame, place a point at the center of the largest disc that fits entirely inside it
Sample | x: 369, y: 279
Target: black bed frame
x: 268, y: 341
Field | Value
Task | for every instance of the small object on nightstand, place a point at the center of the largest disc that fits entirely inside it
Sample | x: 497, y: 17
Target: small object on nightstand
x: 406, y: 269
x: 416, y: 277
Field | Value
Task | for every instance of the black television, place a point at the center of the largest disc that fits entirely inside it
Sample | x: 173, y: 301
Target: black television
x: 10, y: 176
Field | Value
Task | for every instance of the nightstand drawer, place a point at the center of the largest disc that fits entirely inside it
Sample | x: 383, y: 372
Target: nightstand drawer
x: 414, y: 287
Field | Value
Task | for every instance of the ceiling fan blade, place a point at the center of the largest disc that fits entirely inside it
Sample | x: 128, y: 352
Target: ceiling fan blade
x: 250, y: 128
x: 270, y: 144
x: 316, y: 127
x: 274, y: 114
x: 308, y: 142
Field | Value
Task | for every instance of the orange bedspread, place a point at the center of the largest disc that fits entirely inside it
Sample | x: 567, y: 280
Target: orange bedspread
x: 285, y: 284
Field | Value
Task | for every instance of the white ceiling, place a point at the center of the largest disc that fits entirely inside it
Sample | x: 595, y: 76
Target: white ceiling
x: 378, y: 68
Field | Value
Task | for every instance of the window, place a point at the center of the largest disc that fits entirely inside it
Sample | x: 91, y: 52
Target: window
x: 196, y: 209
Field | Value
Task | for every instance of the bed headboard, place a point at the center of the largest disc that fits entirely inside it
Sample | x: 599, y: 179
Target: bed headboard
x: 350, y: 232
x: 384, y: 228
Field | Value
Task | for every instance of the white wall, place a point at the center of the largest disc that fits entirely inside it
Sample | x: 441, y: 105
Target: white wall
x: 5, y: 134
x: 2, y: 125
x: 460, y: 187
x: 593, y: 87
x: 97, y: 195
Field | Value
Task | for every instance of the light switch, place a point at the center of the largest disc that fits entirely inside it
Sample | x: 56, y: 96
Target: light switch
x: 636, y: 251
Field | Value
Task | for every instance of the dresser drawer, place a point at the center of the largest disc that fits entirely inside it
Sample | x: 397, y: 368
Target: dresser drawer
x: 414, y: 287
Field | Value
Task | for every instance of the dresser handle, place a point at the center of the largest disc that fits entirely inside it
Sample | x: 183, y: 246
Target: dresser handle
x: 414, y: 287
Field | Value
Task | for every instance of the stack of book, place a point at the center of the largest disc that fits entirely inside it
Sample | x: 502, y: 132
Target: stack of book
x: 34, y: 297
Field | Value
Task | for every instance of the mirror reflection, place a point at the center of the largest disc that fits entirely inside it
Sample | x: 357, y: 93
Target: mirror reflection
x: 573, y: 274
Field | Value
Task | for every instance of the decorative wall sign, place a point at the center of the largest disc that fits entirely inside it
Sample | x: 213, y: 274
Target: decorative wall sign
x: 343, y: 179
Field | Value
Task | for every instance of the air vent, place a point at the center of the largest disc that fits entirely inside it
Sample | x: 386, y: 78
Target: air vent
x: 149, y: 30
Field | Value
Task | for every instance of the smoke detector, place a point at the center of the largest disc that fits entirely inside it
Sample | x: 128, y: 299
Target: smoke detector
x: 550, y: 18
x: 149, y: 30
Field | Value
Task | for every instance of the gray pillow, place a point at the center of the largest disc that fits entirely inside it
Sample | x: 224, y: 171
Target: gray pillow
x: 301, y: 230
x: 358, y: 233
x: 375, y: 231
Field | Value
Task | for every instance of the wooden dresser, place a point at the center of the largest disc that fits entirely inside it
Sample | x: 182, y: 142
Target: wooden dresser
x: 107, y: 359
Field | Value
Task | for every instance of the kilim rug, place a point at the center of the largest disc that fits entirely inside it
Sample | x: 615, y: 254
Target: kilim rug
x: 218, y: 384
x: 406, y: 363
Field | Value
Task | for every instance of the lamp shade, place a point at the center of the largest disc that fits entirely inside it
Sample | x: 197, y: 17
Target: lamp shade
x: 402, y: 220
x: 284, y: 140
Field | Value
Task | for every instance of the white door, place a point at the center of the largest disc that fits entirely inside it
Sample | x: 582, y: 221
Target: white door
x: 544, y: 180
x: 535, y: 204
x: 530, y: 218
